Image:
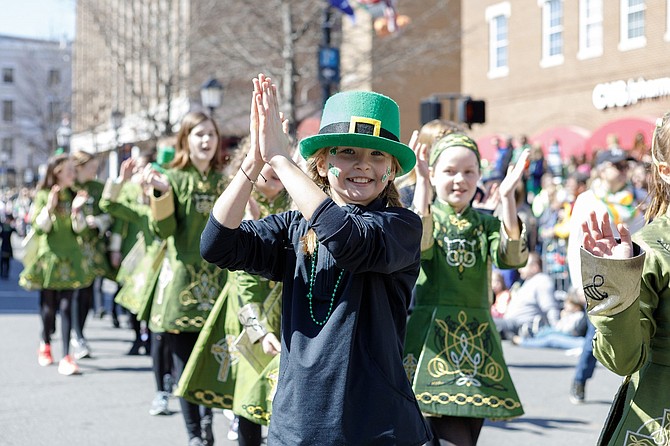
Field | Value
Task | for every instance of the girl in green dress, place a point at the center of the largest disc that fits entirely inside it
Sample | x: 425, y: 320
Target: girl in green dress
x: 59, y: 268
x: 93, y: 243
x: 453, y: 353
x: 187, y: 286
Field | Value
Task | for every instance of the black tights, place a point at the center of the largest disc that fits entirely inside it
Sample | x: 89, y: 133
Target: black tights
x: 162, y: 360
x: 50, y: 301
x: 81, y: 305
x: 249, y: 433
x: 181, y: 346
x: 455, y: 431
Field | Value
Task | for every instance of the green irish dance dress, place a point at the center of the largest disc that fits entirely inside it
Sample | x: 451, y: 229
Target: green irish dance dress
x: 59, y: 263
x: 453, y: 353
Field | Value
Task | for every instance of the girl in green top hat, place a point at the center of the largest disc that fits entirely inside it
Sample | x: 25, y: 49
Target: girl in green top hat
x: 348, y: 258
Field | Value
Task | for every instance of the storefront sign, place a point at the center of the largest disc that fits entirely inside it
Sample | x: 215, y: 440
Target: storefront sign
x: 624, y: 93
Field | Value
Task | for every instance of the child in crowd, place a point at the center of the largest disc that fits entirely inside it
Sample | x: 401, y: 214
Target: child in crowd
x: 453, y: 353
x: 348, y: 258
x: 59, y: 267
x: 627, y: 296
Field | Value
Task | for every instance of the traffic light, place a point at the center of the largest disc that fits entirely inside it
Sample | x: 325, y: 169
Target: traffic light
x: 430, y: 109
x: 472, y: 111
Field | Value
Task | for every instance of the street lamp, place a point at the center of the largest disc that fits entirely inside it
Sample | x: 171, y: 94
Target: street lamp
x: 211, y: 95
x: 63, y: 135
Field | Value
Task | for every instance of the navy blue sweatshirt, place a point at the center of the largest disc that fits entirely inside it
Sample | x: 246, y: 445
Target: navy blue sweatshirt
x: 343, y: 382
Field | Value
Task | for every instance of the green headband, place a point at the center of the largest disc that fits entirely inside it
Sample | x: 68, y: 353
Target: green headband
x: 452, y: 140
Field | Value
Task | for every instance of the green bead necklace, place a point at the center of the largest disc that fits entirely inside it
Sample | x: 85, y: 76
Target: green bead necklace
x: 312, y: 279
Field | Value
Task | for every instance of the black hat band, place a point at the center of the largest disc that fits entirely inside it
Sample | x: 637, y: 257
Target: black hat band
x: 365, y: 128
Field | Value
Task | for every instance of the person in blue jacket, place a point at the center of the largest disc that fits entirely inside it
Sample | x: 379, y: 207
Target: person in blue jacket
x: 348, y: 259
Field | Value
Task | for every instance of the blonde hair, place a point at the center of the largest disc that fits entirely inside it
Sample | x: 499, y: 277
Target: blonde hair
x: 659, y: 190
x: 389, y: 195
x: 80, y: 158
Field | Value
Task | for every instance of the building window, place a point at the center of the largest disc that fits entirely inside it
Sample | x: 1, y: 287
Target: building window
x: 8, y: 75
x: 8, y: 111
x: 8, y: 148
x: 54, y: 78
x: 632, y: 25
x: 497, y: 17
x: 590, y: 28
x: 552, y: 32
x: 54, y: 111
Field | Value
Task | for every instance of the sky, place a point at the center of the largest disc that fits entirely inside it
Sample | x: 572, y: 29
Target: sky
x: 40, y: 19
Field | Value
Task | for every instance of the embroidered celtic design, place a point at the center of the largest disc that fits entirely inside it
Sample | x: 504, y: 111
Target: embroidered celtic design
x: 591, y: 289
x: 655, y: 432
x: 465, y: 357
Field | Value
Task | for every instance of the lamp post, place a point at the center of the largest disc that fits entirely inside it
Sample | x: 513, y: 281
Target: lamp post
x: 211, y: 95
x: 63, y: 135
x: 116, y: 120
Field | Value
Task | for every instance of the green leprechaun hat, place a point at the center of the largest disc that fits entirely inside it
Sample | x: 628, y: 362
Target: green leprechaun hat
x: 361, y: 119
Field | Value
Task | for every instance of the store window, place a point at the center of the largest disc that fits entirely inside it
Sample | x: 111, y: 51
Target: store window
x: 552, y: 32
x: 8, y: 75
x: 632, y: 25
x: 7, y: 111
x: 590, y: 28
x: 497, y: 17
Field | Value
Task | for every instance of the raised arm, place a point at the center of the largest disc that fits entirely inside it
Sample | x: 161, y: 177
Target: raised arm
x: 274, y: 150
x: 508, y: 213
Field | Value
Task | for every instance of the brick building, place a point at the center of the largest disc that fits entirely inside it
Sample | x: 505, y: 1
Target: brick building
x: 575, y: 71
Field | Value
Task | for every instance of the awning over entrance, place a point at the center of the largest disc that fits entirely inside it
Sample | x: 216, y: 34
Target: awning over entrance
x: 625, y: 129
x: 571, y: 139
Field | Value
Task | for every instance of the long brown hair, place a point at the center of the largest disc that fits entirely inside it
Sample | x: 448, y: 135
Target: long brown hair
x: 54, y: 165
x: 659, y: 190
x: 182, y: 150
x: 390, y: 195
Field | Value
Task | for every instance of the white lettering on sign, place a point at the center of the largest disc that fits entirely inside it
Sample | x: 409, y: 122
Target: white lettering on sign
x: 624, y: 93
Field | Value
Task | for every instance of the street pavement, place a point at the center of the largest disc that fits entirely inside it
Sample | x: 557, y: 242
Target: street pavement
x: 108, y: 404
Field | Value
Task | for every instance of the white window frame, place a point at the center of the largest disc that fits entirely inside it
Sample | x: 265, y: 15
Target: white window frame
x: 626, y: 44
x: 556, y: 59
x: 592, y: 21
x: 492, y: 12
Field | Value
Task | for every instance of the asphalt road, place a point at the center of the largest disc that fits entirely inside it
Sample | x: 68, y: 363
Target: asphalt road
x: 108, y: 404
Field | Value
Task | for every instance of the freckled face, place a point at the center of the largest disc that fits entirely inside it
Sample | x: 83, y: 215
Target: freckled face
x: 454, y: 177
x: 355, y: 175
x: 202, y: 143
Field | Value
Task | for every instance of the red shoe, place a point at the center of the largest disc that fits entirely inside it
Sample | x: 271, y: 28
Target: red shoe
x: 68, y: 367
x: 44, y: 357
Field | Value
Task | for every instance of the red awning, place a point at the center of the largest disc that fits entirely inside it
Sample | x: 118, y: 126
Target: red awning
x: 571, y: 139
x: 625, y: 129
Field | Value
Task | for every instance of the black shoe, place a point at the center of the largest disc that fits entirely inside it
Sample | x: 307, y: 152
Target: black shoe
x: 115, y: 321
x: 135, y: 349
x: 206, y: 428
x: 577, y: 393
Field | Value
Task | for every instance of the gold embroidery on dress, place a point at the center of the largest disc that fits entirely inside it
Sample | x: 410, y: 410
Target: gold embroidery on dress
x: 211, y: 398
x: 462, y: 399
x: 203, y: 289
x: 410, y: 363
x: 659, y: 436
x: 464, y: 358
x: 460, y: 223
x: 226, y: 355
